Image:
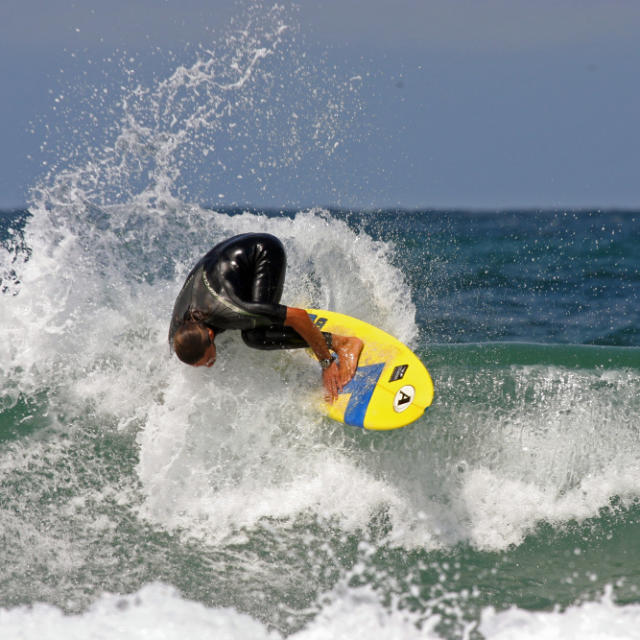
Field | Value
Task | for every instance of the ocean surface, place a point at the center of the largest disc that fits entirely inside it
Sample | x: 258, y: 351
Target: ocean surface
x: 140, y: 498
x: 140, y: 495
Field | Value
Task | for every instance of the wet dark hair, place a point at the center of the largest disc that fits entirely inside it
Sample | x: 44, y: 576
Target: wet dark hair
x: 190, y: 341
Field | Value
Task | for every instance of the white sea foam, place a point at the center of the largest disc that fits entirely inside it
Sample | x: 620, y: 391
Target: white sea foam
x: 545, y: 444
x: 158, y: 612
x: 559, y: 450
x: 601, y: 620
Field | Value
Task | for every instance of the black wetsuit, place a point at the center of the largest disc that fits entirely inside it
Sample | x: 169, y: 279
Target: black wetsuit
x: 237, y: 285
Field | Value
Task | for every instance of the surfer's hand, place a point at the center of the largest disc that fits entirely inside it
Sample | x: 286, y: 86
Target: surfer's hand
x: 331, y: 382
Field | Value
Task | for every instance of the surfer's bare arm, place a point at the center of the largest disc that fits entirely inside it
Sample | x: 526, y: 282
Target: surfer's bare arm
x: 299, y: 320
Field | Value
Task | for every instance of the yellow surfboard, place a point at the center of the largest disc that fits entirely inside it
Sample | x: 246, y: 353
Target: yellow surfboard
x: 391, y: 387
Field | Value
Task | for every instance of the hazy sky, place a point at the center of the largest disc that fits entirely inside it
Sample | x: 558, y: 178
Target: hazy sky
x: 464, y: 103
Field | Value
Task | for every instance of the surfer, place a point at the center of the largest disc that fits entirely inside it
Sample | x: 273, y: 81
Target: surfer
x: 238, y: 285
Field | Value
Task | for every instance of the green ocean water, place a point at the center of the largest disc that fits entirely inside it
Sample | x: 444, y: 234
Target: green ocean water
x: 517, y: 488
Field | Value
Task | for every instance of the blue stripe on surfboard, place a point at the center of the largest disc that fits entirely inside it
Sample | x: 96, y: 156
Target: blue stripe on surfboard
x: 361, y: 388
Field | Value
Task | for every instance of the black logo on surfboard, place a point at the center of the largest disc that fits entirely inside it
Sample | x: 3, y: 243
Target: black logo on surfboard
x: 404, y: 398
x: 398, y: 372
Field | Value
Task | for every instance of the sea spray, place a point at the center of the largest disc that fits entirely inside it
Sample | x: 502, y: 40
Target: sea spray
x: 247, y: 111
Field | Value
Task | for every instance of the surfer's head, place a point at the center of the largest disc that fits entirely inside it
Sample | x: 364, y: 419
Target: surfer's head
x: 193, y: 344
